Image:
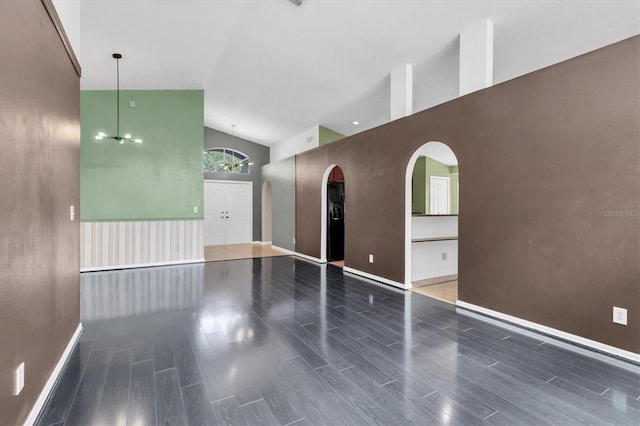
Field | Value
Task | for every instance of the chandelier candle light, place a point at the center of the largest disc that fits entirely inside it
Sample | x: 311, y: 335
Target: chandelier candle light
x: 127, y: 136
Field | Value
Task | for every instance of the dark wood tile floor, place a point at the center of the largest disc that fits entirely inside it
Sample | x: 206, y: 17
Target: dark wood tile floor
x: 278, y: 341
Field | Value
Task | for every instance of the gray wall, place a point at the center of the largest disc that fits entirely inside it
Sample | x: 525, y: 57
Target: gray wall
x: 259, y: 155
x: 282, y: 176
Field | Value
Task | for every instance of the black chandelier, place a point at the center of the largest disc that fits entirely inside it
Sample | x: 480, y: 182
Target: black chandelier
x: 127, y: 136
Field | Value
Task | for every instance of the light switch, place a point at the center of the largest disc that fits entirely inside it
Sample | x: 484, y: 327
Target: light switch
x: 72, y: 213
x: 195, y: 209
x: 132, y: 104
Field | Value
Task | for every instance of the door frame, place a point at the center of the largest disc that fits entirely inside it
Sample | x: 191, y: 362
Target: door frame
x: 323, y: 213
x: 236, y: 182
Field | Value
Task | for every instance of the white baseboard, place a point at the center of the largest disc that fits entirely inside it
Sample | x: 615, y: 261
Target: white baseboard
x: 300, y: 255
x: 53, y: 378
x: 307, y: 257
x: 141, y: 265
x: 582, y: 341
x: 283, y: 249
x: 265, y: 243
x: 374, y: 277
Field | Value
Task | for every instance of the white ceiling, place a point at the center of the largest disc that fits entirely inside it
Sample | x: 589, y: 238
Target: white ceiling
x: 276, y: 69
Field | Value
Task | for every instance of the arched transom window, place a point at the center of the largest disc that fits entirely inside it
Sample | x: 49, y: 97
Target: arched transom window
x: 225, y: 160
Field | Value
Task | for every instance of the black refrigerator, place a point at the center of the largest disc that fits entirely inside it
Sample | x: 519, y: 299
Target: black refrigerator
x: 335, y: 221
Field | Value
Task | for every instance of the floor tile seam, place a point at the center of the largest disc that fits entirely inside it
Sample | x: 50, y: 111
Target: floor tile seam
x: 141, y: 361
x: 201, y: 382
x: 166, y: 369
x: 222, y: 399
x: 295, y: 421
x: 430, y: 393
x: 250, y: 402
x: 490, y: 415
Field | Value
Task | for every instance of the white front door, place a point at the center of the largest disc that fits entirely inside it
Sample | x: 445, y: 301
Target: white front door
x: 439, y: 195
x: 239, y: 214
x: 228, y: 212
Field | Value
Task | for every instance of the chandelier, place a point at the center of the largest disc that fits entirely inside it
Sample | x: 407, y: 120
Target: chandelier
x: 233, y: 166
x: 127, y: 136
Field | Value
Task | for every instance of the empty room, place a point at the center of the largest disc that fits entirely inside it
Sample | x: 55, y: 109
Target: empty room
x: 326, y: 212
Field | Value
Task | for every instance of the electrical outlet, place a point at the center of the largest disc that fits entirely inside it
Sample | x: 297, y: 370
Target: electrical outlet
x: 19, y: 380
x: 72, y: 213
x: 619, y: 315
x: 195, y: 209
x: 444, y: 256
x: 294, y: 240
x: 370, y: 258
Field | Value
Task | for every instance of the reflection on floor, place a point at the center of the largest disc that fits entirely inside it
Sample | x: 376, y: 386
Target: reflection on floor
x: 447, y: 291
x: 338, y: 263
x: 241, y: 251
x: 279, y: 340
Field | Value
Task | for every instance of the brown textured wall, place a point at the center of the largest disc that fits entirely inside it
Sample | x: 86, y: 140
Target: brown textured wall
x: 39, y: 180
x: 549, y: 193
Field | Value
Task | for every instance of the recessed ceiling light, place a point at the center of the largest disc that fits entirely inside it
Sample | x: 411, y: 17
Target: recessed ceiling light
x: 355, y: 123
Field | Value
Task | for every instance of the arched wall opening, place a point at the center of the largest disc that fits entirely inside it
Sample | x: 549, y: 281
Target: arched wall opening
x: 431, y: 216
x: 332, y: 215
x: 267, y: 213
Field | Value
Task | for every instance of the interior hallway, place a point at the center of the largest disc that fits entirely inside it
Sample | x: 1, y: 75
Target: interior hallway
x: 281, y: 340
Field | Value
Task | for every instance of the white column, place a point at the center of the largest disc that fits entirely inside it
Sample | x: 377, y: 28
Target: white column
x: 401, y: 100
x: 476, y: 57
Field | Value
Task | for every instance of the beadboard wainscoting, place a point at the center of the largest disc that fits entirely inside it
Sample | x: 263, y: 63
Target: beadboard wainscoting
x: 116, y: 245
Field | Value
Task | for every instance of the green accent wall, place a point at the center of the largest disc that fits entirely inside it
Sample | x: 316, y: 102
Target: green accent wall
x: 160, y: 179
x: 425, y: 168
x: 327, y: 135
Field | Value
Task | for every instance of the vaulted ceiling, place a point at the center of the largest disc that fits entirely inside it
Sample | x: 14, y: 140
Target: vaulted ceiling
x: 275, y: 69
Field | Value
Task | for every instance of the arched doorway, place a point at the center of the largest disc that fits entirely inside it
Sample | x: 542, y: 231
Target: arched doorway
x: 267, y: 213
x: 431, y: 221
x: 333, y: 216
